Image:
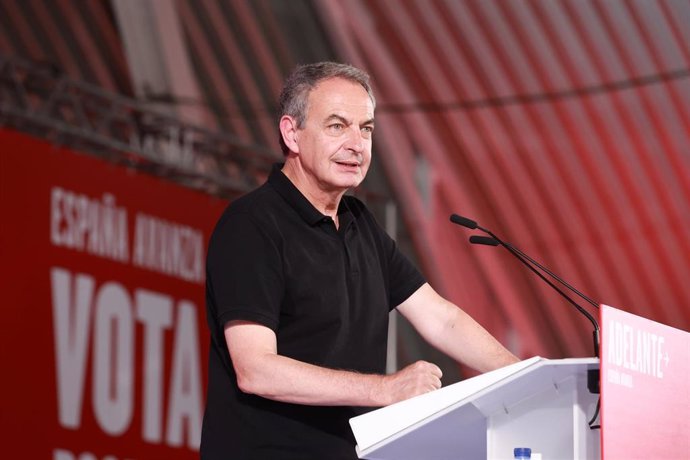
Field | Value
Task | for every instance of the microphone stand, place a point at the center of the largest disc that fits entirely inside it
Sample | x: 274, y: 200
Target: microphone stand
x: 593, y: 375
x: 531, y: 264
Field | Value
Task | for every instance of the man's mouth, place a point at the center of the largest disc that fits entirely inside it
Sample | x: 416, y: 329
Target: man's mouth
x: 349, y: 163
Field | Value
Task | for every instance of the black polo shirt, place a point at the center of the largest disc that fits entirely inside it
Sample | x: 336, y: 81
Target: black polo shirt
x: 276, y: 260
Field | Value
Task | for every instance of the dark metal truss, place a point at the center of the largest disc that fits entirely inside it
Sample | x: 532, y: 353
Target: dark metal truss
x: 39, y: 100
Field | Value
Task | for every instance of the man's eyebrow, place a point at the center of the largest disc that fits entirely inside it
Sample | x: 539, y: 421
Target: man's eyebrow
x: 343, y: 120
x: 338, y: 118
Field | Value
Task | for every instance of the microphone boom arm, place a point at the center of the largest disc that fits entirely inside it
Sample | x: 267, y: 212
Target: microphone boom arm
x: 515, y: 252
x: 553, y: 275
x: 531, y: 264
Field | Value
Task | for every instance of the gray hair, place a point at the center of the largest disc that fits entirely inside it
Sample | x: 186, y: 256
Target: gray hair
x: 295, y: 95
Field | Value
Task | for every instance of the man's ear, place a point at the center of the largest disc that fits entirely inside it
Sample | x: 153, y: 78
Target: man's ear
x: 290, y: 133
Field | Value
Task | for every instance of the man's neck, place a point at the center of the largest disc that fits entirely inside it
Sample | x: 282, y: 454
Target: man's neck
x: 325, y: 201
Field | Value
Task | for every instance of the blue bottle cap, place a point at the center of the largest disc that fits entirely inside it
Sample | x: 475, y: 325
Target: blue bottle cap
x: 522, y: 452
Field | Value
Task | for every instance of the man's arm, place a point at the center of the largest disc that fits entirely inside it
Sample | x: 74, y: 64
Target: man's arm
x: 262, y: 371
x: 454, y: 332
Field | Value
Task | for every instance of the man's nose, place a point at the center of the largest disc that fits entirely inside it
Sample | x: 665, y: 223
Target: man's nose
x: 355, y: 140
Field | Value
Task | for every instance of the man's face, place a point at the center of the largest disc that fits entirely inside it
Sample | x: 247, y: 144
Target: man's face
x: 335, y: 141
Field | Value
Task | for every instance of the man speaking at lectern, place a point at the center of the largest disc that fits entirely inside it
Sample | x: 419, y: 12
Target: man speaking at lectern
x: 300, y: 281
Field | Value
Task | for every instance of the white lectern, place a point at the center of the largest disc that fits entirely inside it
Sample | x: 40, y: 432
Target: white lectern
x: 537, y: 403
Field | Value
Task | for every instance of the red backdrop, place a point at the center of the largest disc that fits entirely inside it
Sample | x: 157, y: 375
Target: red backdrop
x: 103, y: 338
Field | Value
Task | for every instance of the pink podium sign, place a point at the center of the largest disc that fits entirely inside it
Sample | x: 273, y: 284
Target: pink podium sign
x: 645, y: 388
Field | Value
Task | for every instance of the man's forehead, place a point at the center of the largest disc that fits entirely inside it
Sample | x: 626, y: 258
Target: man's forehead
x: 337, y: 96
x: 340, y: 90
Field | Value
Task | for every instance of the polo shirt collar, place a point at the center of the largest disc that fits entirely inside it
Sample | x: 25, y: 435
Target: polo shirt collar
x: 285, y: 188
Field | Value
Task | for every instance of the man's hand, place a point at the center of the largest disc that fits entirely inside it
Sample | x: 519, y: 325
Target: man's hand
x: 416, y: 379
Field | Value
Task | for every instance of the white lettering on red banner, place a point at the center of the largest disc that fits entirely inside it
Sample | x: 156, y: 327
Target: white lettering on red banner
x: 635, y: 350
x: 62, y: 454
x: 98, y: 227
x: 106, y: 315
x: 168, y: 248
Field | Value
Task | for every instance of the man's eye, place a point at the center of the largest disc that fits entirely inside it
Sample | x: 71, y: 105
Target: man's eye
x: 337, y: 126
x: 368, y: 129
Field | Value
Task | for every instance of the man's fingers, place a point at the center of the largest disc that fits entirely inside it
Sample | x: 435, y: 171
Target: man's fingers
x: 437, y: 371
x: 431, y: 368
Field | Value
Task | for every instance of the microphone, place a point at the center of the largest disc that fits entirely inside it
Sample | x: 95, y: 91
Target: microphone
x: 464, y: 221
x: 530, y: 263
x: 485, y: 240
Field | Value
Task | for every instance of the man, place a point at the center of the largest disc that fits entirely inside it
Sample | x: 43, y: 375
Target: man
x: 300, y: 283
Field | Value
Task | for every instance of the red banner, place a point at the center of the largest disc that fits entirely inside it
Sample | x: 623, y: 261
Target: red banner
x: 103, y: 338
x: 645, y: 383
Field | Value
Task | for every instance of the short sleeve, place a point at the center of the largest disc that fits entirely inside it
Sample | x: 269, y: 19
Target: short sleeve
x: 244, y: 272
x: 404, y: 277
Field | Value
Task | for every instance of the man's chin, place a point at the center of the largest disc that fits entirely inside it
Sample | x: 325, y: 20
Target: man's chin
x: 348, y: 182
x: 352, y: 184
